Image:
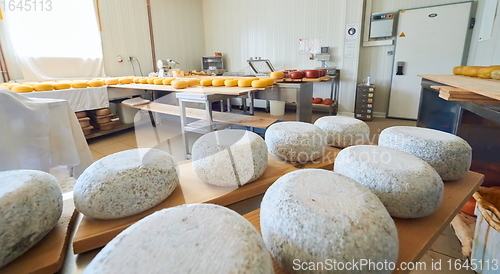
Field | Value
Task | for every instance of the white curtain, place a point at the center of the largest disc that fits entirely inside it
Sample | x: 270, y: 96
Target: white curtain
x: 60, y: 39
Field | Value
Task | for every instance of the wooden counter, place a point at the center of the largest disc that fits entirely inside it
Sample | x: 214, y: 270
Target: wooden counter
x: 417, y: 235
x: 486, y: 87
x: 93, y: 233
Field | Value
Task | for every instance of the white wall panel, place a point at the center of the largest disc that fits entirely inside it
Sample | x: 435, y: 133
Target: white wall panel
x: 125, y: 32
x: 485, y: 53
x: 179, y: 32
x: 272, y: 29
x: 377, y: 61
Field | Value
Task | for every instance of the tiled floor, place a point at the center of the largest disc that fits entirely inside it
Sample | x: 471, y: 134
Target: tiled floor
x: 447, y: 247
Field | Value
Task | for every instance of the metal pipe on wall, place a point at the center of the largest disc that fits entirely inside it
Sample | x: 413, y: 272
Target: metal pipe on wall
x: 151, y: 35
x: 3, y: 66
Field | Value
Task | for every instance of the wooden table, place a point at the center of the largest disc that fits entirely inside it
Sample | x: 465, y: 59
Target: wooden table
x: 417, y: 235
x: 92, y: 233
x: 486, y: 87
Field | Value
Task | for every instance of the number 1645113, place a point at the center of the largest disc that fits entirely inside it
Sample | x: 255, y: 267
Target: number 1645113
x: 26, y: 5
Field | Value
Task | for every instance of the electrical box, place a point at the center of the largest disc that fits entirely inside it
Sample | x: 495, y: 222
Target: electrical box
x: 382, y: 25
x: 363, y: 108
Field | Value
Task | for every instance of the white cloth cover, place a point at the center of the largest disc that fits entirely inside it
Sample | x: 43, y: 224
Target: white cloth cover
x: 40, y: 134
x: 79, y: 98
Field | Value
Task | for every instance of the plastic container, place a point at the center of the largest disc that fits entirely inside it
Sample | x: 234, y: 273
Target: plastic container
x: 277, y: 108
x: 486, y: 243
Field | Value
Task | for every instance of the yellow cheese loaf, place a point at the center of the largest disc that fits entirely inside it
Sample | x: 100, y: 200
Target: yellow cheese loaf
x: 193, y: 82
x: 231, y: 83
x: 218, y: 82
x: 259, y: 83
x: 125, y: 81
x: 158, y: 81
x: 206, y: 82
x: 59, y: 86
x: 179, y: 84
x: 79, y: 84
x: 143, y: 81
x: 247, y: 82
x: 22, y: 88
x: 168, y: 81
x: 151, y: 81
x: 277, y: 75
x: 137, y: 80
x: 95, y: 83
x: 43, y: 87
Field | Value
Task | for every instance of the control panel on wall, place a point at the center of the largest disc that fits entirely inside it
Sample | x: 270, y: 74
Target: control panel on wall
x: 382, y: 25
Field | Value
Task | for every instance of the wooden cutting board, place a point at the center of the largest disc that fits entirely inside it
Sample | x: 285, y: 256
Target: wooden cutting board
x: 417, y: 235
x: 47, y: 256
x: 92, y: 233
x: 486, y: 87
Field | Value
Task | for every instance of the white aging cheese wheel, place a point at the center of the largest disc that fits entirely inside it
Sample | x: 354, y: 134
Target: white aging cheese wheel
x: 344, y: 131
x: 314, y: 215
x: 448, y: 154
x: 229, y: 157
x: 126, y: 183
x: 407, y: 186
x: 196, y: 238
x: 43, y: 87
x: 295, y: 141
x: 60, y: 86
x: 30, y: 206
x: 22, y: 88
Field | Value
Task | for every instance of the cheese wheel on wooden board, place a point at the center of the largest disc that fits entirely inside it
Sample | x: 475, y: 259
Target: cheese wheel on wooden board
x: 295, y: 141
x: 277, y: 75
x: 259, y: 84
x: 125, y: 183
x: 22, y: 88
x: 30, y: 206
x: 231, y: 83
x: 471, y: 70
x: 218, y: 82
x: 125, y: 81
x: 195, y: 238
x: 158, y: 81
x: 243, y: 83
x: 269, y: 81
x: 137, y: 80
x: 179, y: 84
x: 43, y: 87
x: 314, y: 215
x: 495, y: 74
x: 458, y: 70
x: 95, y: 83
x: 407, y: 186
x: 167, y: 81
x: 485, y: 73
x: 206, y: 82
x: 344, y: 131
x: 60, y: 86
x: 229, y: 157
x: 151, y: 81
x: 448, y: 154
x: 143, y: 81
x: 193, y: 82
x: 79, y: 84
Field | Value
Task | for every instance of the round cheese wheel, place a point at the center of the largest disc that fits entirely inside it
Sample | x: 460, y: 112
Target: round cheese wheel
x: 449, y: 155
x: 407, y: 186
x: 80, y: 84
x: 486, y: 72
x: 125, y: 81
x: 95, y: 83
x: 143, y: 81
x: 471, y: 70
x: 137, y: 80
x: 295, y: 141
x: 259, y: 83
x: 344, y: 131
x: 314, y: 215
x: 167, y: 81
x: 193, y: 82
x: 229, y: 157
x: 22, y: 88
x: 59, y: 86
x: 158, y: 81
x: 30, y: 206
x: 179, y: 84
x: 495, y: 74
x: 151, y: 81
x: 277, y: 75
x: 195, y: 238
x: 206, y: 82
x: 269, y: 81
x: 125, y: 183
x: 231, y: 83
x: 246, y: 82
x: 218, y: 82
x: 43, y: 87
x: 457, y: 70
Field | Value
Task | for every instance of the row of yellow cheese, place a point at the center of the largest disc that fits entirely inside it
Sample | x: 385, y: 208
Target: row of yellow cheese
x: 64, y: 84
x: 491, y: 72
x: 215, y: 82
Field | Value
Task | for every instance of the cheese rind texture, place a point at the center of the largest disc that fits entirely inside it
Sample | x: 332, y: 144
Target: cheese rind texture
x: 126, y: 183
x: 314, y: 215
x: 449, y: 155
x: 344, y: 131
x: 406, y: 185
x: 295, y: 141
x: 229, y: 157
x: 30, y: 206
x: 196, y: 238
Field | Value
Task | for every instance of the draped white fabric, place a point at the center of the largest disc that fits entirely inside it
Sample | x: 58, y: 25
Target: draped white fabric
x: 63, y: 42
